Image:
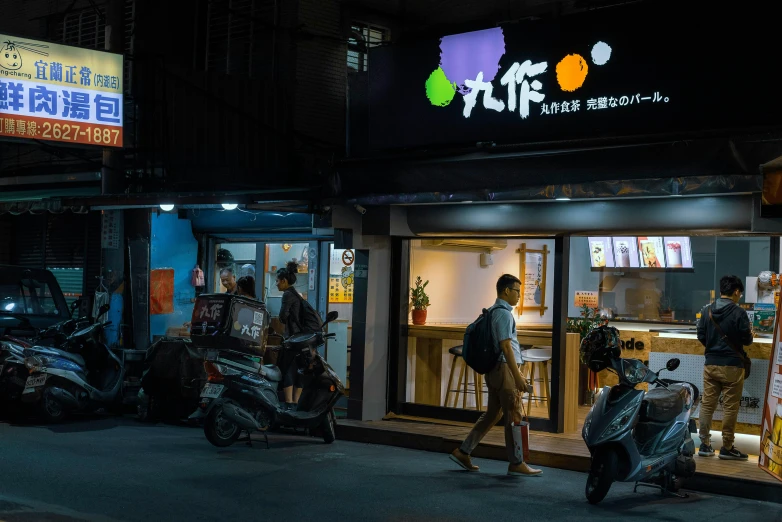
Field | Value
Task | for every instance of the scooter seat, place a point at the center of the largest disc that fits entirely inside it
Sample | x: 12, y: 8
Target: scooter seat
x: 272, y: 373
x: 661, y: 405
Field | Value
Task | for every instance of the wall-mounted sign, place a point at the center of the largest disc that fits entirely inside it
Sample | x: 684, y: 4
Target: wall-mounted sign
x: 341, y: 276
x: 584, y: 297
x: 53, y: 92
x: 607, y: 72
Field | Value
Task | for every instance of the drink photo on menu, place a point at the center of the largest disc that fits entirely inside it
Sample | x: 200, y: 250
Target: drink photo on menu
x: 678, y: 252
x: 651, y: 251
x: 625, y: 252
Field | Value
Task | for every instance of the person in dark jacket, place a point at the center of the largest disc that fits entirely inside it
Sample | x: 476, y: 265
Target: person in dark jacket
x: 723, y: 372
x: 290, y: 311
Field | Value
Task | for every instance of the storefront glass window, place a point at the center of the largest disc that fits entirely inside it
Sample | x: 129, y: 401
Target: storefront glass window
x: 672, y: 293
x: 277, y: 256
x: 462, y: 276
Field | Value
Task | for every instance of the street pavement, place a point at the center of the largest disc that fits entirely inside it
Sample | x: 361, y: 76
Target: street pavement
x: 114, y: 468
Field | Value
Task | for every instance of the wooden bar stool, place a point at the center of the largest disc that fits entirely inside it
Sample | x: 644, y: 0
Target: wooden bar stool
x: 538, y: 358
x: 462, y: 384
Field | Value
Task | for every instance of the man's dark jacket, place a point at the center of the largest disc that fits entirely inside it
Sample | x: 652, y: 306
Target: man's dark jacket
x: 734, y: 322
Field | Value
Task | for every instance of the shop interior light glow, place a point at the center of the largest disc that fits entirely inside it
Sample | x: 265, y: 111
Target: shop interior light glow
x: 563, y: 199
x: 230, y: 206
x: 166, y: 207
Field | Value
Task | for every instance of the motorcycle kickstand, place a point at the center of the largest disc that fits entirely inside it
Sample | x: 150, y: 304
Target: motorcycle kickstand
x: 663, y: 491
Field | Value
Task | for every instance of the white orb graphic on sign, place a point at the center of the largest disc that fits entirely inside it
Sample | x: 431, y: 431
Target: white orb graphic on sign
x: 601, y: 53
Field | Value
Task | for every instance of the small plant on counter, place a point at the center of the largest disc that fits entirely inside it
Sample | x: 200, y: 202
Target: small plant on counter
x: 419, y: 300
x: 590, y: 318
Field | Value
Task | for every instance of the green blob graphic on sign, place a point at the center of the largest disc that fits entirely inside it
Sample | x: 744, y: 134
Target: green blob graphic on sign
x: 438, y: 89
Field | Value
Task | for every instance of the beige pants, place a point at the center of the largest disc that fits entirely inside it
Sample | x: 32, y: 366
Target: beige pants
x: 503, y: 399
x: 729, y: 381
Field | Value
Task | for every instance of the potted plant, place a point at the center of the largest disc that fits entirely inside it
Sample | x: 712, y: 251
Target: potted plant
x: 419, y: 300
x: 666, y: 307
x: 590, y: 318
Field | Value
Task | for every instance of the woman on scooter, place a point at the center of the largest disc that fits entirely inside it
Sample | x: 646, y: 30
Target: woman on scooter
x: 290, y: 311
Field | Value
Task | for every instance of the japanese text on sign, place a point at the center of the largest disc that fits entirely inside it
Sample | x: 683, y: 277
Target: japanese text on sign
x: 55, y: 92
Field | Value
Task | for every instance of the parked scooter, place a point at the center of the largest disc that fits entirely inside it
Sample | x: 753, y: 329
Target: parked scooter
x: 13, y: 373
x: 241, y: 395
x: 84, y: 378
x: 636, y: 436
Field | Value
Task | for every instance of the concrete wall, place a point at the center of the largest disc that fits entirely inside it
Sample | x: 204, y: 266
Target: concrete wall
x: 173, y: 246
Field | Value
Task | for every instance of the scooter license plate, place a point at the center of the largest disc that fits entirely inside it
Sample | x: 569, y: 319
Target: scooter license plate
x: 212, y: 391
x: 34, y: 381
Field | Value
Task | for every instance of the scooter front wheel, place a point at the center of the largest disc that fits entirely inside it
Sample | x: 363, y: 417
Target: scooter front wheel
x: 220, y: 431
x: 329, y: 428
x: 601, y: 476
x: 51, y: 408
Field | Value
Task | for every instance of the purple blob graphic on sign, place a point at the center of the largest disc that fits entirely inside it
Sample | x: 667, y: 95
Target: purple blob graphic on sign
x: 463, y: 56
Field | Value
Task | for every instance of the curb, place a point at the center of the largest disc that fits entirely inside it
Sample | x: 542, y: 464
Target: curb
x: 701, y: 482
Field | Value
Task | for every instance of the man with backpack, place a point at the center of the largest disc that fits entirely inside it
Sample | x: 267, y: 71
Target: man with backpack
x: 723, y: 329
x: 503, y: 379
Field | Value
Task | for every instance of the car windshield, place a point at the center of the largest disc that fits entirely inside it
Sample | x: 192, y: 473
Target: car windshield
x: 26, y: 296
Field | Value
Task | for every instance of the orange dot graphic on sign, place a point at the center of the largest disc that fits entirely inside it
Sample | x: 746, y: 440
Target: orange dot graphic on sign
x: 571, y: 72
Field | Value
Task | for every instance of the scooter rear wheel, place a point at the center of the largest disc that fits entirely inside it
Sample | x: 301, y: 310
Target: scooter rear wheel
x: 601, y: 476
x: 220, y: 431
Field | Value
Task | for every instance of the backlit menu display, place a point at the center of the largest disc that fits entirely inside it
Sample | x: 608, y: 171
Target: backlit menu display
x: 601, y: 252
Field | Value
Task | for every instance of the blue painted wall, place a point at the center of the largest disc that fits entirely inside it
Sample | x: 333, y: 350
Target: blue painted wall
x: 173, y: 246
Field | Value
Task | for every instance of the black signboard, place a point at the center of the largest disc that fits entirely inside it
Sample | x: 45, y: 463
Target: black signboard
x: 653, y: 67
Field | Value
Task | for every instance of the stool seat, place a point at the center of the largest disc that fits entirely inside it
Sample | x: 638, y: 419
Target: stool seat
x: 536, y: 355
x: 456, y: 350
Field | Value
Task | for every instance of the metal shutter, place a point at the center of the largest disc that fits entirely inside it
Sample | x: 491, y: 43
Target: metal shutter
x: 29, y: 237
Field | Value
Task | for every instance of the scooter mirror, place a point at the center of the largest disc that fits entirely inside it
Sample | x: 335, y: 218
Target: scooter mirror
x: 672, y: 364
x: 332, y: 316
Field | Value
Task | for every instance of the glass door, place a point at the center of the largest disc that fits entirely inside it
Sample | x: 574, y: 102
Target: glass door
x: 276, y: 257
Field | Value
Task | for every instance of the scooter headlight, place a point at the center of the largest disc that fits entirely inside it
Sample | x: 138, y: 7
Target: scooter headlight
x: 33, y: 363
x: 622, y: 420
x: 587, y: 425
x: 634, y: 373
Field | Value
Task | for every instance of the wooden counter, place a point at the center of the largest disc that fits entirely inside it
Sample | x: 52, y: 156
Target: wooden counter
x: 430, y: 360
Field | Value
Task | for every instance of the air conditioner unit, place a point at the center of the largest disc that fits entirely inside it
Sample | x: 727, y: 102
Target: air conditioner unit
x: 482, y: 245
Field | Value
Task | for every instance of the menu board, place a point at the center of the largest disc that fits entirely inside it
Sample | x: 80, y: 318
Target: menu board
x: 626, y: 252
x: 601, y: 252
x: 651, y: 252
x: 770, y: 459
x: 678, y: 253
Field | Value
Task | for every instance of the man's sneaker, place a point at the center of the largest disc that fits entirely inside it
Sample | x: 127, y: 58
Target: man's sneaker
x: 463, y: 460
x: 732, y: 454
x: 522, y: 469
x: 706, y: 450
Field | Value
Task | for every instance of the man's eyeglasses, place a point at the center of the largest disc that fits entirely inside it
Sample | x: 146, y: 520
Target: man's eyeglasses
x: 517, y: 290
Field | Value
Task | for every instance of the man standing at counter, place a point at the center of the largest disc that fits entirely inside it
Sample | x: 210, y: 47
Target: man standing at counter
x: 505, y: 384
x: 723, y: 329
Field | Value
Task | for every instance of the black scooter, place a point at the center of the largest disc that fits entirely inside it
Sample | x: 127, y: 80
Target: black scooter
x: 241, y: 395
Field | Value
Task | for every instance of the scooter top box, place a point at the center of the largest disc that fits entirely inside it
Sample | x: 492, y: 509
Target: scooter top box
x: 229, y: 322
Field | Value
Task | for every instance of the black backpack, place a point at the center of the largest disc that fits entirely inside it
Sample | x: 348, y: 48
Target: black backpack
x: 309, y: 320
x: 479, y: 350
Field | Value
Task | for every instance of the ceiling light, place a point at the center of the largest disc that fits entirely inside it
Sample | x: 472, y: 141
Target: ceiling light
x: 166, y: 207
x: 10, y: 306
x: 563, y: 199
x: 229, y: 206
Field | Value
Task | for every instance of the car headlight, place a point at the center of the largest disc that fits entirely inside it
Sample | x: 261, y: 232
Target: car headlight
x: 622, y: 420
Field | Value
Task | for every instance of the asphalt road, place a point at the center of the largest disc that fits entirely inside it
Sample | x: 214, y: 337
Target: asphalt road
x: 113, y: 468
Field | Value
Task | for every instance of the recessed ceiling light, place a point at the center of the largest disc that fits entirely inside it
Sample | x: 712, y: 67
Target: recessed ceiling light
x: 563, y: 199
x: 166, y: 207
x: 229, y: 206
